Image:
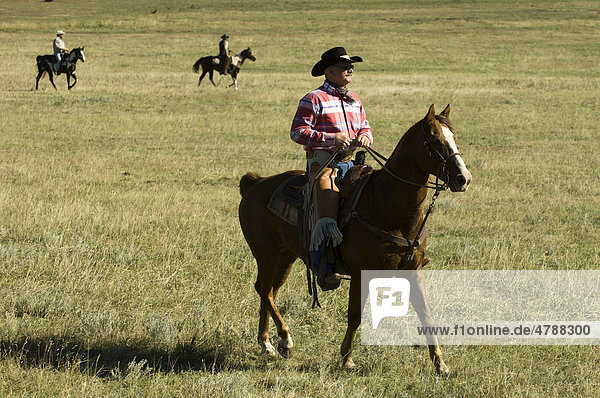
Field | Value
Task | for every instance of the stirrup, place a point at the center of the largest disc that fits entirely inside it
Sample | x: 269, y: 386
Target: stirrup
x: 332, y: 280
x: 329, y: 281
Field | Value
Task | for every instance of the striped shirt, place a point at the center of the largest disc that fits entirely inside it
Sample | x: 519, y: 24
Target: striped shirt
x: 320, y: 115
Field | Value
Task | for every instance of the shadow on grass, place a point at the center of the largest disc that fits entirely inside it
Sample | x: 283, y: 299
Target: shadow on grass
x: 116, y: 359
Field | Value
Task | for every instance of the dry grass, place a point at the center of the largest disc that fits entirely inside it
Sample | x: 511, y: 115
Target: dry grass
x: 123, y: 269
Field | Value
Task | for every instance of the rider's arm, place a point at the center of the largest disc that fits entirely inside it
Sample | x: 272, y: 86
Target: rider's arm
x: 60, y: 44
x: 303, y: 126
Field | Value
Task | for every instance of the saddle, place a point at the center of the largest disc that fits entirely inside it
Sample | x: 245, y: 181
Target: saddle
x: 65, y: 66
x: 288, y: 200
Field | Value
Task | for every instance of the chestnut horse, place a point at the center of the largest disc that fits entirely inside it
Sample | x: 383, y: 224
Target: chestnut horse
x: 208, y: 66
x: 392, y: 201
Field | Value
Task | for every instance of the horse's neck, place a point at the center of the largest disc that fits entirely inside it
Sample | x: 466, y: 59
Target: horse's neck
x: 398, y: 206
x: 72, y: 57
x: 237, y: 60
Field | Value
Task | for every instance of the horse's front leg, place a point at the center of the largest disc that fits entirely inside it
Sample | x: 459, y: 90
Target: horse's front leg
x: 419, y: 302
x: 354, y: 301
x: 69, y: 80
x: 233, y: 80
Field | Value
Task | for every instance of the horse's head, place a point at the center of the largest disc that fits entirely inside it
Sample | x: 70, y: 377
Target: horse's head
x: 247, y: 53
x: 79, y: 54
x: 442, y: 158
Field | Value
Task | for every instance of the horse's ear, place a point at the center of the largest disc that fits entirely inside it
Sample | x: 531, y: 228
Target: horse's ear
x: 446, y: 112
x: 431, y: 113
x: 82, y: 48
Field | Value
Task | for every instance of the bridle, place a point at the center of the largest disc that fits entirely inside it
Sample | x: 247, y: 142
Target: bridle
x: 443, y: 160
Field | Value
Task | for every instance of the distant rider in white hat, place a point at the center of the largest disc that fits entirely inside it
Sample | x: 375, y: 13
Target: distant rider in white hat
x: 59, y: 49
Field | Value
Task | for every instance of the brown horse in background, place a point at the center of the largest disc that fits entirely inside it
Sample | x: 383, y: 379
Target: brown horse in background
x: 209, y: 65
x: 387, y: 202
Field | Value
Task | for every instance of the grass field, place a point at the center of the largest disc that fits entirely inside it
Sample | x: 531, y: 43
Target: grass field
x: 123, y: 270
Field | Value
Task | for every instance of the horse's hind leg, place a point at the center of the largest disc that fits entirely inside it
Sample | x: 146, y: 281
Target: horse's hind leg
x: 285, y: 343
x: 51, y: 79
x: 354, y: 318
x: 37, y: 79
x: 421, y: 306
x: 210, y: 76
x: 272, y: 273
x: 202, y: 77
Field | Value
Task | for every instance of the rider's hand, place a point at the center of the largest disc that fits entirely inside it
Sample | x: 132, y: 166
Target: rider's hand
x: 341, y: 140
x: 362, y: 140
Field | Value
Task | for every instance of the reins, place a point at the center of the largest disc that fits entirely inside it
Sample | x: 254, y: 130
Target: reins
x: 443, y: 160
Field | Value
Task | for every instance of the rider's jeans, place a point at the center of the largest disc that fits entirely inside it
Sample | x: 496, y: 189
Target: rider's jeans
x: 58, y: 61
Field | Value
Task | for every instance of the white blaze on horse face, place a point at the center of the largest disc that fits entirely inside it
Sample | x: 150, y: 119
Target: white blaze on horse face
x: 453, y: 149
x: 82, y: 56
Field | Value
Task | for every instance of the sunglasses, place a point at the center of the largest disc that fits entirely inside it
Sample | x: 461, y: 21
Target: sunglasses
x: 344, y: 66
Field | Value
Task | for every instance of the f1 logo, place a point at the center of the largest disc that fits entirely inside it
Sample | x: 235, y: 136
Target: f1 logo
x: 389, y: 297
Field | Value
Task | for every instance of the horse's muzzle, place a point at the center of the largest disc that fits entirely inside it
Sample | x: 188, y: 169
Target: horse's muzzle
x: 460, y: 182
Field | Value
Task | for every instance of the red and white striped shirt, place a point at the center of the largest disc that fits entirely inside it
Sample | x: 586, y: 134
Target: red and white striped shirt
x: 320, y: 115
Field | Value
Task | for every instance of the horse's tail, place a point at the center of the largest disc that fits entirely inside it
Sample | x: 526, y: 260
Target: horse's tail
x: 196, y: 66
x: 247, y: 181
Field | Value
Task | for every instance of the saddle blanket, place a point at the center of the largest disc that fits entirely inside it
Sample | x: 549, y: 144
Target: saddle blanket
x: 288, y: 199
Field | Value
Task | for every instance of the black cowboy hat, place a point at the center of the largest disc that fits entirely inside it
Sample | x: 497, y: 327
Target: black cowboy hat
x: 224, y: 37
x: 332, y: 57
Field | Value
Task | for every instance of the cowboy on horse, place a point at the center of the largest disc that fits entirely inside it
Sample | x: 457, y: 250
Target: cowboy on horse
x: 224, y: 55
x: 330, y: 123
x: 58, y: 45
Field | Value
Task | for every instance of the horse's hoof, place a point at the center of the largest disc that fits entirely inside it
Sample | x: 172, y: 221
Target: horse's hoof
x: 442, y: 370
x: 284, y: 351
x: 348, y: 364
x: 268, y: 349
x: 284, y: 346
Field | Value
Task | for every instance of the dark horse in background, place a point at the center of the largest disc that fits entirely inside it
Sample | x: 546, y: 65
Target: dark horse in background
x: 392, y: 202
x: 211, y: 63
x: 47, y: 64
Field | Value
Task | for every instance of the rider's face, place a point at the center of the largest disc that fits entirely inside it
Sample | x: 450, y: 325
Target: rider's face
x: 340, y: 74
